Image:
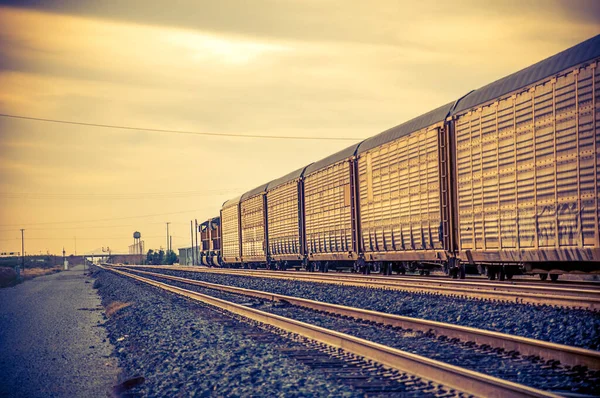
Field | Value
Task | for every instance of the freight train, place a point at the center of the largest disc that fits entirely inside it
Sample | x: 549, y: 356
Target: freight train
x: 503, y: 180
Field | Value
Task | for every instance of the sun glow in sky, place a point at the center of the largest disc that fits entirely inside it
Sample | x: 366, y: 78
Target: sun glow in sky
x: 287, y: 68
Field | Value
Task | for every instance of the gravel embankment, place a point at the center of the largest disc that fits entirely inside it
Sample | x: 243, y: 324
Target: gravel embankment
x: 508, y: 366
x: 574, y: 327
x: 184, y: 349
x: 176, y: 347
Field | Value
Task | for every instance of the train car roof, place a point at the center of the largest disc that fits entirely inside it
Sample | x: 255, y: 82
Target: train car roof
x: 578, y: 54
x: 253, y: 192
x: 212, y: 219
x: 231, y: 202
x: 331, y: 159
x: 416, y: 124
x: 286, y: 178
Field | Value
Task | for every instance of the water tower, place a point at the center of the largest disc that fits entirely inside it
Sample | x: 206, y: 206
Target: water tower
x: 137, y: 243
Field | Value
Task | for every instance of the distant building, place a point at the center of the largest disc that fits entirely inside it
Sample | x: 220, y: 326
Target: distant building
x: 185, y: 255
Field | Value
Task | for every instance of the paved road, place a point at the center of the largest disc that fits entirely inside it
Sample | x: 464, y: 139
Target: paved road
x: 52, y: 343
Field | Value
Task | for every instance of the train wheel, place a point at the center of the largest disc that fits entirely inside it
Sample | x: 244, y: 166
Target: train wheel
x: 543, y: 277
x: 554, y: 277
x: 491, y: 274
x: 461, y: 270
x: 502, y: 273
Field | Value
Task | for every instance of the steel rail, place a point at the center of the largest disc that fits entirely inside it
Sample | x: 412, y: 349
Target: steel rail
x: 520, y: 285
x: 593, y: 286
x: 580, y: 291
x: 539, y: 297
x: 448, y: 375
x: 525, y: 346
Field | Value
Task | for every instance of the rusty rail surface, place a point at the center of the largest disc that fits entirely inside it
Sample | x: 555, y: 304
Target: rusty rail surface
x: 558, y: 296
x: 565, y: 354
x: 448, y: 375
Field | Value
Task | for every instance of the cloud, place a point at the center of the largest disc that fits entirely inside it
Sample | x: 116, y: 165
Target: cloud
x: 302, y: 68
x: 321, y: 20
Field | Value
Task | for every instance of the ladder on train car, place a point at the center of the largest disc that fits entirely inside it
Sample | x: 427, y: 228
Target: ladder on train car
x: 444, y: 199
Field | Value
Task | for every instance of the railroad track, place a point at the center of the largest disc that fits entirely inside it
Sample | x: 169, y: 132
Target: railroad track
x: 391, y: 359
x: 587, y: 298
x: 568, y: 355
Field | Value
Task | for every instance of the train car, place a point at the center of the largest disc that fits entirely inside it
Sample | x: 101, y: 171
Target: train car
x: 210, y: 246
x: 231, y: 239
x: 253, y: 224
x: 215, y: 241
x: 204, y: 251
x: 527, y: 168
x: 506, y: 179
x: 330, y: 212
x: 403, y: 210
x: 285, y: 220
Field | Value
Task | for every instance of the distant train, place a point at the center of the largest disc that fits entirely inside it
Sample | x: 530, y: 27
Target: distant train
x: 503, y: 180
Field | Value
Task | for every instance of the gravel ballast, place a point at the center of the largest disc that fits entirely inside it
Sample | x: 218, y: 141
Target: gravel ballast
x: 171, y: 346
x: 509, y: 366
x: 580, y: 328
x: 181, y: 349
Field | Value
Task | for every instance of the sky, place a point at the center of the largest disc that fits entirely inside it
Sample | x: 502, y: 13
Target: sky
x: 334, y: 70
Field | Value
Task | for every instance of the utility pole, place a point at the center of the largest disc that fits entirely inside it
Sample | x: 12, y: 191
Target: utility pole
x: 192, y: 238
x: 196, y: 233
x: 23, y: 250
x: 168, y: 246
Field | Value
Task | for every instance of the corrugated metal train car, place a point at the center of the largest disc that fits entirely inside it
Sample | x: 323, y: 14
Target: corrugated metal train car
x: 506, y: 178
x: 231, y: 247
x: 285, y: 218
x: 527, y: 156
x: 400, y: 195
x: 330, y: 211
x: 253, y: 226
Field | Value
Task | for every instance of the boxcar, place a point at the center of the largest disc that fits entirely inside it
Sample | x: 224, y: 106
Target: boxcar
x: 285, y: 209
x: 330, y: 211
x: 215, y: 240
x: 527, y: 166
x: 204, y: 249
x: 400, y: 206
x: 253, y: 226
x: 505, y: 177
x: 210, y: 246
x: 230, y: 232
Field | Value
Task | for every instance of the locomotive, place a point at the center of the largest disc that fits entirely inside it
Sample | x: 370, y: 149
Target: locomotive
x: 505, y: 179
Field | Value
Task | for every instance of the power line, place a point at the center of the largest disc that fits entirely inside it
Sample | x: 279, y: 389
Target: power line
x: 87, y: 238
x: 119, y: 195
x: 137, y: 225
x: 102, y: 219
x: 111, y: 126
x: 77, y: 196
